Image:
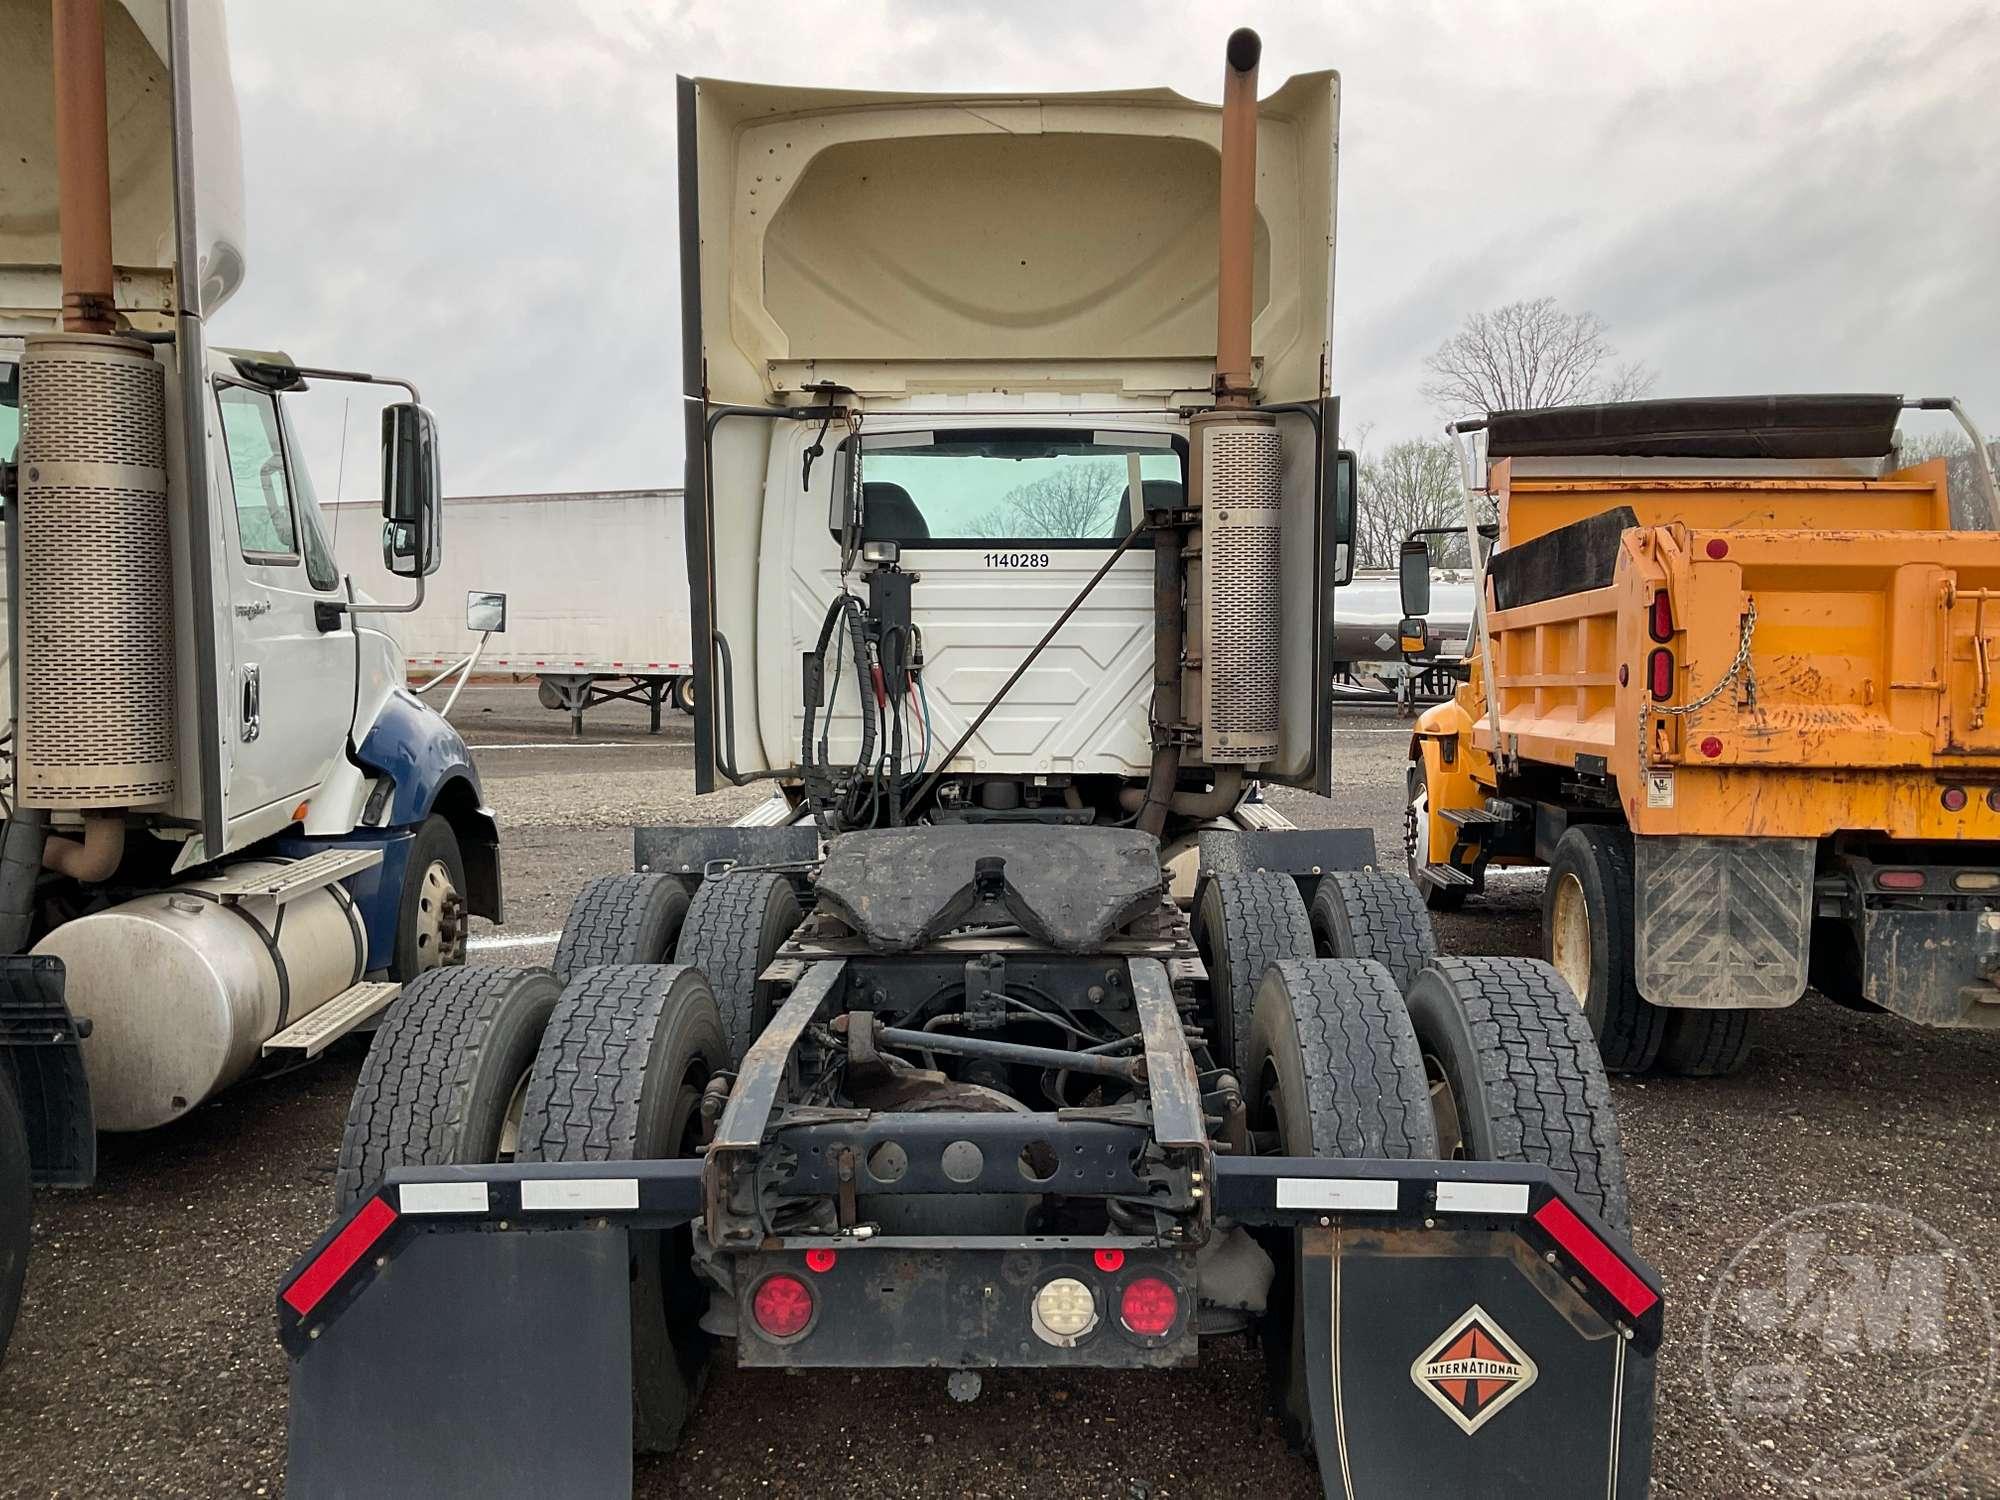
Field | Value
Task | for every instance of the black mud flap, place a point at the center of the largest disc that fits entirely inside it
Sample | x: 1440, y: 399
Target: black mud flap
x: 511, y: 1351
x: 1463, y: 1363
x: 41, y: 1046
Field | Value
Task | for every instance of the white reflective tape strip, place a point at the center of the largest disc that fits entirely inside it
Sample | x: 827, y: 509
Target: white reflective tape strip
x: 580, y: 1194
x: 443, y: 1197
x: 1350, y: 1194
x: 1482, y: 1197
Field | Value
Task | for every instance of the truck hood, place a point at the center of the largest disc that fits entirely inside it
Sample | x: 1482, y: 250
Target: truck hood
x: 901, y: 243
x: 146, y: 245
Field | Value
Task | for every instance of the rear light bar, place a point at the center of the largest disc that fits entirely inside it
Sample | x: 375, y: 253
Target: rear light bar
x: 1599, y: 1261
x: 355, y: 1240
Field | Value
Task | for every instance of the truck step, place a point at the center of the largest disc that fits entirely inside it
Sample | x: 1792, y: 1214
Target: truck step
x: 1471, y: 817
x: 323, y: 1027
x: 1446, y: 875
x: 1261, y: 815
x: 298, y: 878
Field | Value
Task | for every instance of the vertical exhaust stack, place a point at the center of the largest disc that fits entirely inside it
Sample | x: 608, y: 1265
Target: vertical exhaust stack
x: 95, y: 705
x: 1230, y: 685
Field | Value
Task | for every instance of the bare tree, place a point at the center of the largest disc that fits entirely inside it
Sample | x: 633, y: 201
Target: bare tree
x: 1529, y: 354
x: 1969, y: 510
x: 1077, y: 500
x: 1413, y: 485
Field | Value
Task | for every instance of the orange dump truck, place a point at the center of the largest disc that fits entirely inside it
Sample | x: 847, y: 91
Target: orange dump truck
x: 1734, y: 684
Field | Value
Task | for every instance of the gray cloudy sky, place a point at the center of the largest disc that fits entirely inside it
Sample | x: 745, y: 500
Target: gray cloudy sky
x: 479, y: 194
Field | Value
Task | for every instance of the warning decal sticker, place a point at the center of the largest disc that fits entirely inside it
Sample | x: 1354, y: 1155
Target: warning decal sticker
x: 1473, y: 1369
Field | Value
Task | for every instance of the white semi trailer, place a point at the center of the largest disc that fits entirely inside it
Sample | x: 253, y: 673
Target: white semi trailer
x: 230, y: 830
x: 595, y: 585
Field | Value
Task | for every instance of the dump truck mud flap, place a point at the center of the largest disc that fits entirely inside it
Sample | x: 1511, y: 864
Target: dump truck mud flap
x: 1469, y: 1329
x: 1722, y: 923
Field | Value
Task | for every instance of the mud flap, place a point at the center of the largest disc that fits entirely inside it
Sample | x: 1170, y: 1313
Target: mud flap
x: 41, y: 1046
x: 514, y: 1350
x: 1446, y: 1363
x: 1722, y: 923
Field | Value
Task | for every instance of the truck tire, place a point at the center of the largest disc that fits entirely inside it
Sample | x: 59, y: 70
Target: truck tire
x: 1245, y: 921
x: 621, y: 919
x: 620, y: 1077
x: 16, y: 1207
x: 1334, y: 1071
x: 684, y: 694
x: 1587, y: 934
x: 735, y: 926
x: 1416, y: 846
x: 1515, y: 1075
x: 431, y: 917
x: 1707, y: 1043
x: 445, y: 1074
x: 1368, y: 914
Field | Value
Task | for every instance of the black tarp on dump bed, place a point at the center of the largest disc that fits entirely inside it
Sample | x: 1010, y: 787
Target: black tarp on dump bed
x: 1839, y: 426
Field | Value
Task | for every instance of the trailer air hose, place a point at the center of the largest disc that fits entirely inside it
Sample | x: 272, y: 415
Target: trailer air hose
x: 834, y: 797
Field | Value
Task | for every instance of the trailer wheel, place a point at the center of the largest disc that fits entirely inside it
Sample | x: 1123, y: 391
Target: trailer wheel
x: 1587, y: 935
x: 684, y: 694
x: 621, y: 919
x: 620, y: 1077
x: 1707, y: 1043
x: 1334, y: 1072
x: 431, y: 917
x: 1514, y: 1075
x: 16, y: 1207
x: 445, y: 1075
x: 1245, y: 921
x: 1367, y: 914
x: 1417, y: 842
x: 735, y: 926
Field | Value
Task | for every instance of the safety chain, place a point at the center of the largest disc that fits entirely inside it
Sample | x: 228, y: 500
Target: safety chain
x: 1648, y: 711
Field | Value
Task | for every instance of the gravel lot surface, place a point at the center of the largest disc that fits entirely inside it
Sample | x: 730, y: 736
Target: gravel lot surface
x: 145, y: 1362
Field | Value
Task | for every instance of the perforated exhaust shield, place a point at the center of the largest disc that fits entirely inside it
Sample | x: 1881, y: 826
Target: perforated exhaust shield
x: 97, y: 661
x: 1236, y: 462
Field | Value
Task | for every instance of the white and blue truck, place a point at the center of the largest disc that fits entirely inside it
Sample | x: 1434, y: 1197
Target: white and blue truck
x: 231, y: 832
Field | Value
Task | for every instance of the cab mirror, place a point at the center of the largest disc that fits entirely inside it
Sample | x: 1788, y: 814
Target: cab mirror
x: 412, y: 492
x: 1414, y: 567
x: 1342, y: 479
x: 485, y: 612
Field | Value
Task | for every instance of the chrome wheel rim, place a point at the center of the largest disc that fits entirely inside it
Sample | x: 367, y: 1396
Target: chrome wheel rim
x: 440, y: 919
x: 510, y: 1124
x: 1444, y: 1110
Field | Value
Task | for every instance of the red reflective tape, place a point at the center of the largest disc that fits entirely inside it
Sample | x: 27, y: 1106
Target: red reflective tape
x: 1597, y: 1258
x: 338, y: 1258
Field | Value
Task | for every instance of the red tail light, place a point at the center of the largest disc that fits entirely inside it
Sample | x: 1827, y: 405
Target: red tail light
x: 1663, y: 616
x: 1148, y: 1306
x: 1900, y: 880
x: 782, y: 1306
x: 1660, y: 674
x: 1953, y: 798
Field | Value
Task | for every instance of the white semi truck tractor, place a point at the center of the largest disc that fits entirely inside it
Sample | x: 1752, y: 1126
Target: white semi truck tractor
x: 230, y: 831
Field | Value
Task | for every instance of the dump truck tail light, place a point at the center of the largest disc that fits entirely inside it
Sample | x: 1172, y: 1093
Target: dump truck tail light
x: 1900, y: 880
x: 1599, y: 1261
x: 1662, y: 619
x: 1953, y: 798
x: 1977, y: 880
x: 1148, y: 1306
x: 1660, y: 673
x: 782, y: 1306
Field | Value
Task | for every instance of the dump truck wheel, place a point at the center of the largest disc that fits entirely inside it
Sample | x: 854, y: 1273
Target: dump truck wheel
x: 1587, y: 935
x: 1416, y: 843
x: 16, y: 1207
x: 684, y: 694
x: 1707, y: 1043
x: 1245, y: 921
x: 621, y: 919
x: 445, y: 1075
x: 1334, y: 1072
x: 1366, y: 914
x: 620, y: 1077
x: 735, y: 926
x: 1514, y: 1075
